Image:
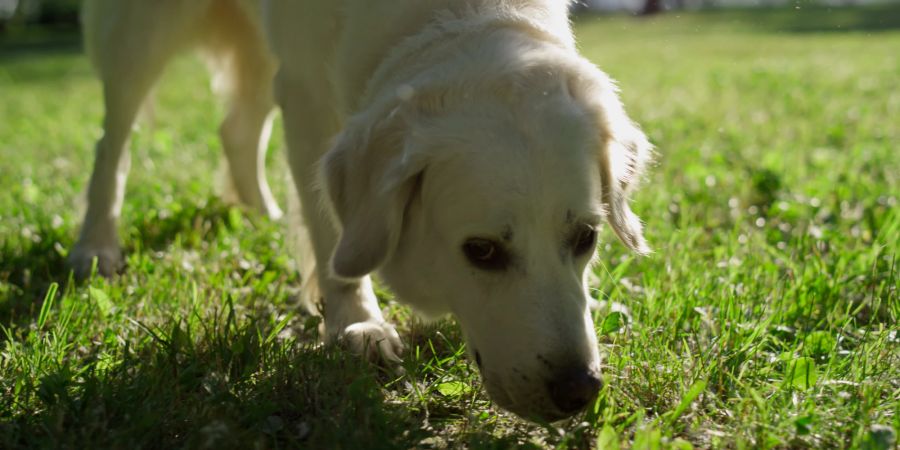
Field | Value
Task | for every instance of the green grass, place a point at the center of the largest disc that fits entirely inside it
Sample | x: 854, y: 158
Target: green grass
x: 766, y: 318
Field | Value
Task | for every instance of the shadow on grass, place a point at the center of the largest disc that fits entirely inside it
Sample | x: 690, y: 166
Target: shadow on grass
x: 233, y: 387
x: 229, y: 390
x: 27, y: 269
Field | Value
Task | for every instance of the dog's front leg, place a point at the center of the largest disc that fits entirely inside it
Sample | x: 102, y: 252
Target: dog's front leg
x: 351, y: 312
x: 99, y: 239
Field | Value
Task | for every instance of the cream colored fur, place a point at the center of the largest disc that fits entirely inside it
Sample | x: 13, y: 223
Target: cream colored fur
x: 412, y: 127
x: 129, y: 43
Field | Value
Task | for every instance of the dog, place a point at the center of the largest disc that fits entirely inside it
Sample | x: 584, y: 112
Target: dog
x: 462, y: 149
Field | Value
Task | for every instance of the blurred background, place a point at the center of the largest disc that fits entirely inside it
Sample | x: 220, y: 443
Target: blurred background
x: 18, y: 13
x: 64, y: 13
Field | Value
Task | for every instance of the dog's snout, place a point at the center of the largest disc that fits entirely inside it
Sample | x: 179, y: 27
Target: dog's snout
x: 572, y: 389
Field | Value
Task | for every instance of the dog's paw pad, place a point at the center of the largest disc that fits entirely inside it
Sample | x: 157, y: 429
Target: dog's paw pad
x: 109, y: 261
x: 377, y: 341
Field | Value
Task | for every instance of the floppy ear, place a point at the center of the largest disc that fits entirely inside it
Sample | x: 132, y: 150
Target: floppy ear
x: 623, y: 151
x: 369, y: 178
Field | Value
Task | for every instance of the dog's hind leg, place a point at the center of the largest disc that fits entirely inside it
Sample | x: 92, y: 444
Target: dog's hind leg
x: 129, y: 43
x: 244, y: 70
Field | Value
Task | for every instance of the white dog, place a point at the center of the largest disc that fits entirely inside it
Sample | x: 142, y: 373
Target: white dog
x: 476, y: 155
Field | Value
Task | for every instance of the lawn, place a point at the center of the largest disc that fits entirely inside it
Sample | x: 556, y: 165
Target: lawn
x: 766, y: 318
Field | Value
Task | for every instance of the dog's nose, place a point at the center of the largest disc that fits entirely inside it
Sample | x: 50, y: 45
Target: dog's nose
x: 573, y: 389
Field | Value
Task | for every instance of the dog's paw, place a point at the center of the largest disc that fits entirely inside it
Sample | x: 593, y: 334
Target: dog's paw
x: 376, y: 341
x: 81, y: 260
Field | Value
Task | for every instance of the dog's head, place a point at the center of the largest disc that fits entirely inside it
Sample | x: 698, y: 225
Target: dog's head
x: 483, y: 199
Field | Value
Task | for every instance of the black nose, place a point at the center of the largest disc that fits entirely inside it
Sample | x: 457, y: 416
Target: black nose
x: 572, y: 389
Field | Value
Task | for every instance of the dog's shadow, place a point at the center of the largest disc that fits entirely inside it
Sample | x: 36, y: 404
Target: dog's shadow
x: 229, y: 388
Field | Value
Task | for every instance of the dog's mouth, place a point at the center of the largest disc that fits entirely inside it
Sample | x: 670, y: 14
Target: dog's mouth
x: 530, y: 404
x: 520, y: 396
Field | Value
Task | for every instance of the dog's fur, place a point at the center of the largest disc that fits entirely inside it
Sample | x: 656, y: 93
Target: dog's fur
x: 458, y: 123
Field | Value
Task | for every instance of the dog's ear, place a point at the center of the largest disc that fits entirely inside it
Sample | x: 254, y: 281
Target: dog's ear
x: 623, y: 151
x: 369, y: 177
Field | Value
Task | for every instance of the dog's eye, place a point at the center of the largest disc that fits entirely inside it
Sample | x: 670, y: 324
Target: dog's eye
x: 485, y: 254
x: 584, y: 241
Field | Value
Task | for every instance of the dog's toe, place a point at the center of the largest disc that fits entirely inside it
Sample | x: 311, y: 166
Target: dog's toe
x: 377, y: 341
x: 108, y: 261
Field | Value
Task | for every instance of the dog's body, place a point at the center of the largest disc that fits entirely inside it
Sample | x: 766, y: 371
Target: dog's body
x: 476, y: 154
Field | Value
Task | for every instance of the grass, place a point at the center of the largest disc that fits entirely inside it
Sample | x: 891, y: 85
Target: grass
x: 766, y: 318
